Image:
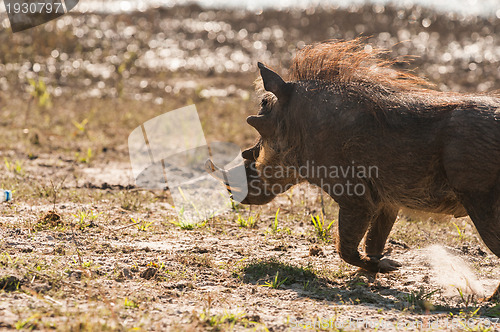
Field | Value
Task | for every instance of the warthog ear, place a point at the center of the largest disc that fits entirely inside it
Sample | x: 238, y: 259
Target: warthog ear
x: 274, y: 83
x: 262, y: 123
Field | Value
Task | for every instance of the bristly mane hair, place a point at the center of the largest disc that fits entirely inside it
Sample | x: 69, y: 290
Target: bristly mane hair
x: 352, y: 61
x: 356, y: 65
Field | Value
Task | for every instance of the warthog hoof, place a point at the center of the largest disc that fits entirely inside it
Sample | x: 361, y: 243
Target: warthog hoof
x: 375, y: 264
x: 388, y: 265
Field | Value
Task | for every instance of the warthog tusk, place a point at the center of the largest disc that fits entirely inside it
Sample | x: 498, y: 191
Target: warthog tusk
x: 219, y: 174
x: 215, y: 171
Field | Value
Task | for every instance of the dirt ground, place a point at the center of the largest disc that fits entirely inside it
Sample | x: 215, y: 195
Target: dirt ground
x: 83, y: 249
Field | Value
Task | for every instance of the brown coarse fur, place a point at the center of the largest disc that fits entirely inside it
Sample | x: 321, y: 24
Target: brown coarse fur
x: 345, y: 106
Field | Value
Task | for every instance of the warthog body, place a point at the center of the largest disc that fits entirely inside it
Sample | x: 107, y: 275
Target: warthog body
x: 346, y: 108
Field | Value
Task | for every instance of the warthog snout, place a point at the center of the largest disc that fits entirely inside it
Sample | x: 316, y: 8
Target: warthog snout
x: 258, y: 190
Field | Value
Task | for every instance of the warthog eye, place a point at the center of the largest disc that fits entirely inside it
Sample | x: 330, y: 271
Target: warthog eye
x: 264, y: 107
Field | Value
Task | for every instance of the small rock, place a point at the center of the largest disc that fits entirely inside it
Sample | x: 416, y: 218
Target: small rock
x: 75, y: 275
x: 179, y: 285
x: 149, y: 273
x: 200, y: 250
x: 254, y: 318
x: 280, y: 247
x: 59, y: 250
x: 316, y: 251
x: 26, y: 249
x: 16, y: 231
x: 473, y: 250
x: 127, y: 273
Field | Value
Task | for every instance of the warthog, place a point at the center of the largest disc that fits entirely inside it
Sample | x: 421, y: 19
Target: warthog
x: 344, y: 108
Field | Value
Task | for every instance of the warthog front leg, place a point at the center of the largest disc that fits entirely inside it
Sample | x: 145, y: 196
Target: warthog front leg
x: 379, y: 231
x: 353, y: 224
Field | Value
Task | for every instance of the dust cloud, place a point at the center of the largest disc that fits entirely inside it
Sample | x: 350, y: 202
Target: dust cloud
x: 452, y: 273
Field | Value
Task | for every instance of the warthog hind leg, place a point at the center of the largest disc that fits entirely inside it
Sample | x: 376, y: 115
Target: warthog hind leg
x: 484, y: 210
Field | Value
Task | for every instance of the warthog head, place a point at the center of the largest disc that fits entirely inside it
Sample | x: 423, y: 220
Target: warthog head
x: 269, y: 164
